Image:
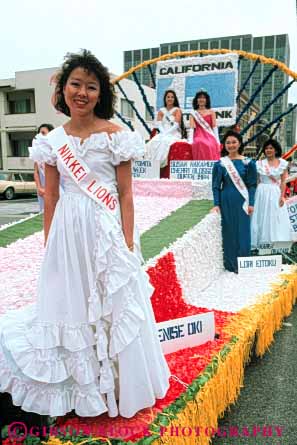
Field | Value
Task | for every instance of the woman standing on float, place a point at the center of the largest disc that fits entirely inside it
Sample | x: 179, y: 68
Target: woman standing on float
x: 203, y: 133
x: 91, y: 339
x: 169, y: 122
x: 270, y: 221
x: 234, y: 185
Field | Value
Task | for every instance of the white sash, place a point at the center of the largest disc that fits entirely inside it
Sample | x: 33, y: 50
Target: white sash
x: 80, y: 173
x: 202, y: 122
x: 268, y: 172
x: 237, y: 181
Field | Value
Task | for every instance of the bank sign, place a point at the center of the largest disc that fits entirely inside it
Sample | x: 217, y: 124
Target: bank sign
x: 218, y: 75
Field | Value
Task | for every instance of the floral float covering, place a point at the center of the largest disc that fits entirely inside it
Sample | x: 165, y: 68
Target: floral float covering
x: 205, y: 379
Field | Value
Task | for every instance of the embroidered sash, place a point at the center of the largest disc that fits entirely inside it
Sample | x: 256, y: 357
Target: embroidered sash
x: 237, y: 181
x: 80, y: 173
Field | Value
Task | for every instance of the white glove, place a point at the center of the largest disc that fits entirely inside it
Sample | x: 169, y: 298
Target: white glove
x: 190, y: 135
x: 173, y: 127
x: 159, y: 126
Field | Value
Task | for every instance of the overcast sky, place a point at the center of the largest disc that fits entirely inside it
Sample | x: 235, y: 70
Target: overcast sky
x: 37, y: 34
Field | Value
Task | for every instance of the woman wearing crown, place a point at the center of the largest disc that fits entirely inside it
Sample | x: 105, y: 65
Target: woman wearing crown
x: 203, y: 129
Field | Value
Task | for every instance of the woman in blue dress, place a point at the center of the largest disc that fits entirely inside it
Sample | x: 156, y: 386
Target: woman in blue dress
x: 234, y: 184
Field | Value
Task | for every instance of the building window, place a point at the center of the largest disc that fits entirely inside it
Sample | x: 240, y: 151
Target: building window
x: 246, y: 44
x: 257, y: 44
x: 269, y: 42
x: 235, y: 44
x: 20, y: 148
x: 145, y: 54
x: 155, y: 52
x: 281, y: 40
x: 19, y: 106
x: 174, y: 48
x: 203, y: 45
x: 164, y: 49
x: 126, y: 109
x: 193, y: 45
x: 214, y: 44
x: 148, y: 117
x: 128, y: 56
x: 225, y: 44
x: 184, y: 47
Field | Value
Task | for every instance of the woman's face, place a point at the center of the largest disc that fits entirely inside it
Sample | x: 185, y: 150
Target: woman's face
x: 44, y: 131
x: 169, y: 99
x: 232, y: 145
x: 270, y: 151
x: 81, y: 92
x: 201, y: 101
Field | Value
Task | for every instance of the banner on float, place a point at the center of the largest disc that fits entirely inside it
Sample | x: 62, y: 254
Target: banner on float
x: 216, y: 74
x: 186, y: 332
x: 292, y: 210
x: 146, y: 169
x: 195, y: 170
x: 272, y: 263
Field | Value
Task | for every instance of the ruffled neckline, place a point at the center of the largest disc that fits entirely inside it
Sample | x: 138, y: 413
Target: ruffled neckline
x: 276, y: 170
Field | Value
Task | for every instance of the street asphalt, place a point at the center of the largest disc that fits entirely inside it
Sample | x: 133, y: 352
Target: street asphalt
x: 17, y: 209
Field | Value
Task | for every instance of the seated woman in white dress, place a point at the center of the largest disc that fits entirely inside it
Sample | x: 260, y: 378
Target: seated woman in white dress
x: 169, y: 121
x: 91, y: 339
x: 270, y: 220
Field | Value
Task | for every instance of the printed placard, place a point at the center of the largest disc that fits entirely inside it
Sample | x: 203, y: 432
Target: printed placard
x: 216, y: 74
x: 259, y: 263
x: 292, y: 210
x: 146, y: 169
x: 274, y: 248
x: 195, y: 170
x: 186, y: 332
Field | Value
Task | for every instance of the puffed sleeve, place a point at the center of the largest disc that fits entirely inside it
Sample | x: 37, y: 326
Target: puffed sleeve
x: 125, y: 146
x: 41, y: 150
x: 217, y: 177
x: 283, y: 166
x: 251, y: 181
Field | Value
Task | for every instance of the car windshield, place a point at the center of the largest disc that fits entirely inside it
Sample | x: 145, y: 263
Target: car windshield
x: 4, y: 176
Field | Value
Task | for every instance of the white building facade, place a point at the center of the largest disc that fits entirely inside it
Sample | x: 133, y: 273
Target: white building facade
x: 25, y: 103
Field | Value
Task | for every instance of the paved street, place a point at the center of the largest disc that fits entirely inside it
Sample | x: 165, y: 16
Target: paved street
x: 17, y: 209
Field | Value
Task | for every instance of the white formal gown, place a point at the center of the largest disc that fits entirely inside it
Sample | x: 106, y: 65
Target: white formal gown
x: 90, y: 343
x: 270, y: 222
x: 158, y: 147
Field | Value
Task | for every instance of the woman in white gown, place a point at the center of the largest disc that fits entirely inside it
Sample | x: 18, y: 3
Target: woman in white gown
x: 270, y: 220
x: 169, y: 121
x: 91, y: 339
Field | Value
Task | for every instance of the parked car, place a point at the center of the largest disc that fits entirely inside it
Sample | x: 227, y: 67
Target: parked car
x: 15, y: 183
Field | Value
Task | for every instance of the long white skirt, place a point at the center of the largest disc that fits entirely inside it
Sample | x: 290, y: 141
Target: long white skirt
x: 91, y: 338
x: 270, y: 222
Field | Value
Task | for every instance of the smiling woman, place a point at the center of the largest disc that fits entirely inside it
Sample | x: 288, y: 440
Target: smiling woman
x: 93, y: 325
x: 234, y: 185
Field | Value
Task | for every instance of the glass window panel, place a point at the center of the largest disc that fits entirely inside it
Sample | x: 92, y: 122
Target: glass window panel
x: 203, y: 45
x: 214, y: 44
x: 126, y: 109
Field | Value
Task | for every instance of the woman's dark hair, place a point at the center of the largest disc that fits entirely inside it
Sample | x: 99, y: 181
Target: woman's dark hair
x: 86, y: 60
x: 176, y: 102
x: 275, y: 144
x: 199, y: 94
x: 50, y: 127
x: 235, y: 135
